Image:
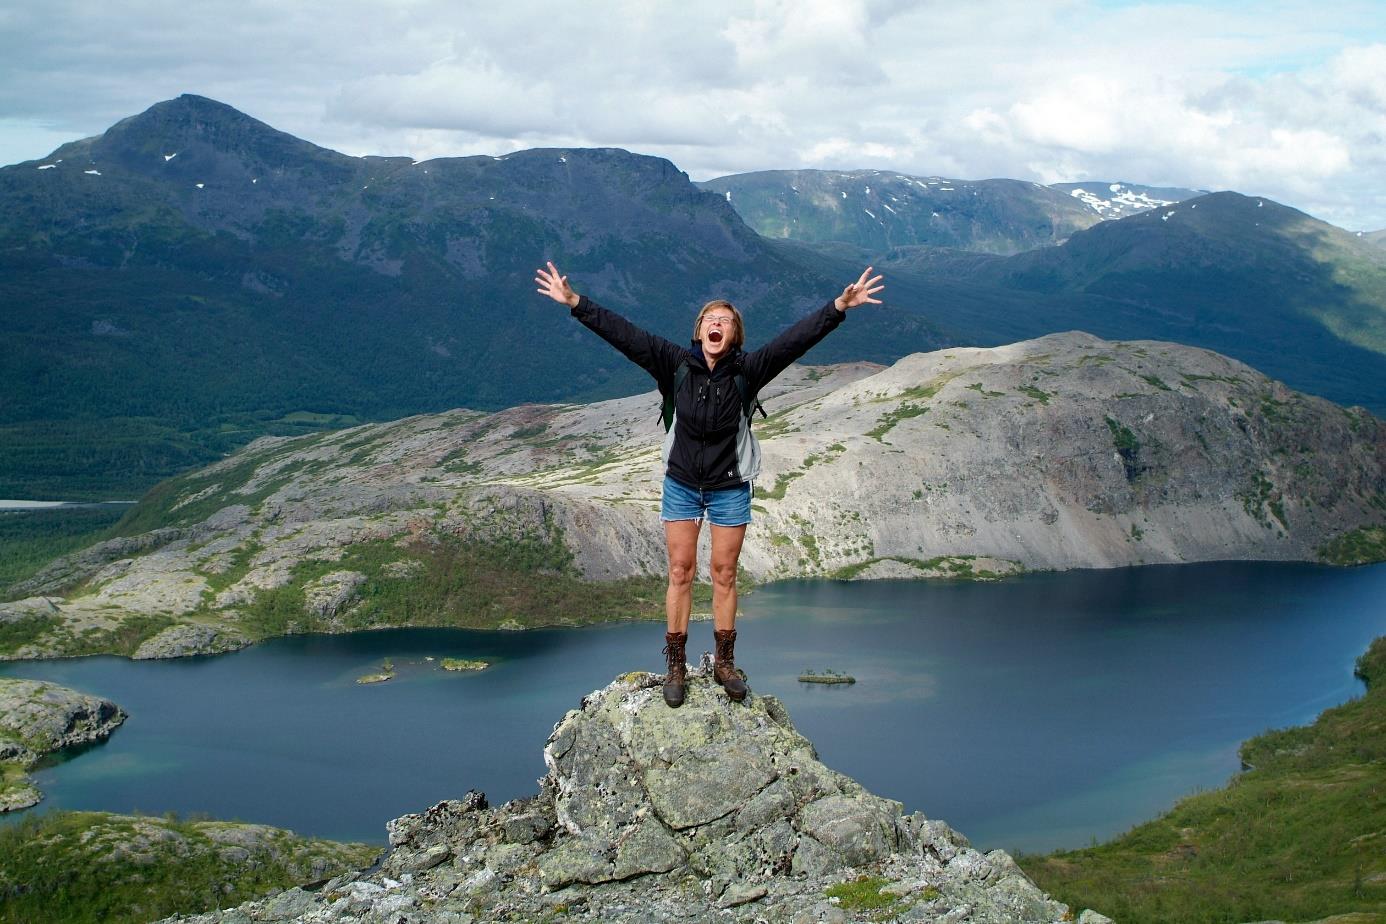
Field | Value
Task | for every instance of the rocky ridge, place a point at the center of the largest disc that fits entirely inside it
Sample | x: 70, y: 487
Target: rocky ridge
x: 1063, y: 452
x: 38, y: 718
x: 715, y: 811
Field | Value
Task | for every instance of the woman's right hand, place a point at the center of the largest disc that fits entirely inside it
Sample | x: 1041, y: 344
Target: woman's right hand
x: 555, y: 286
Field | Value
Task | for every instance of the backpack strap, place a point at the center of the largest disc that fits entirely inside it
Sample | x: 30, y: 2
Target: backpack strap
x: 749, y: 402
x: 667, y: 412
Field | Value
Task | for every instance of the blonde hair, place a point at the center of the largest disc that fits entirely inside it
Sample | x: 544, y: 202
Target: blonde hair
x: 738, y: 334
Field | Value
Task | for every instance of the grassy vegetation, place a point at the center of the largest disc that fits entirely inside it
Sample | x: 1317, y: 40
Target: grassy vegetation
x: 14, y: 779
x: 1261, y: 497
x: 1128, y: 447
x: 828, y: 455
x: 1298, y: 836
x: 121, y: 639
x: 464, y: 664
x: 1122, y: 437
x: 21, y: 632
x: 238, y: 567
x: 98, y: 868
x: 474, y: 584
x: 494, y: 578
x: 1360, y: 547
x: 928, y: 389
x: 191, y: 498
x: 863, y: 894
x: 889, y: 419
x: 30, y: 539
x: 1155, y: 381
x: 1274, y: 409
x: 1192, y: 379
x: 781, y: 484
x: 776, y: 424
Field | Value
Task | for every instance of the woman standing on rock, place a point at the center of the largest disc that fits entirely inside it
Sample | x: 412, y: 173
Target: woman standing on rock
x: 710, y: 455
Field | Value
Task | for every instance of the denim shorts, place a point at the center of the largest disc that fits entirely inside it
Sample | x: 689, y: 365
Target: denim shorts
x: 724, y: 507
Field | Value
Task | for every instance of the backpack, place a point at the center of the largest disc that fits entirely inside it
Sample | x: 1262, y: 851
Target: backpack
x: 749, y: 402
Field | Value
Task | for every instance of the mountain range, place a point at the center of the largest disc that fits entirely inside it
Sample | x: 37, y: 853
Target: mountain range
x: 875, y: 209
x: 192, y: 278
x: 1295, y: 297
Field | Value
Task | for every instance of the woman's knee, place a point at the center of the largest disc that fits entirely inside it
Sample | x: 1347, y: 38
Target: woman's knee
x: 724, y: 573
x: 680, y: 573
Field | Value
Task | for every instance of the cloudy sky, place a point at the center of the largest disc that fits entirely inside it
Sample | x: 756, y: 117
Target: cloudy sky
x: 1281, y: 99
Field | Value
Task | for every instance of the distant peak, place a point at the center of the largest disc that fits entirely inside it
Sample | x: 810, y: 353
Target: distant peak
x: 191, y: 122
x: 190, y: 106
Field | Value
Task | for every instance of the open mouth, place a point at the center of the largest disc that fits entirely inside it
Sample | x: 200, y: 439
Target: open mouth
x: 715, y: 336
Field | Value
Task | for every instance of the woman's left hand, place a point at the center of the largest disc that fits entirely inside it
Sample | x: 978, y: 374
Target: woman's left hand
x: 860, y: 292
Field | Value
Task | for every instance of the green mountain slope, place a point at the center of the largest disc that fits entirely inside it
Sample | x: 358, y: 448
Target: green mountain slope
x: 1299, y: 299
x: 1295, y: 837
x: 193, y: 278
x: 100, y: 868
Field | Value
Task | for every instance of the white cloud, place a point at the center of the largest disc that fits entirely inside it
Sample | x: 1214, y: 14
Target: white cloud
x: 1282, y: 99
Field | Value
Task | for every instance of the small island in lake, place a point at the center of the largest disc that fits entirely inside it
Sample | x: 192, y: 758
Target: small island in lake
x: 386, y: 672
x: 827, y: 676
x: 464, y: 664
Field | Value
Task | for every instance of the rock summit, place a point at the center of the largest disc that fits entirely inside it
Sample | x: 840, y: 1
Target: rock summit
x: 714, y: 811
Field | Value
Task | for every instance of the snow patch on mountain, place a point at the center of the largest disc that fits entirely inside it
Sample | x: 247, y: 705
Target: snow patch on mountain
x: 1123, y: 201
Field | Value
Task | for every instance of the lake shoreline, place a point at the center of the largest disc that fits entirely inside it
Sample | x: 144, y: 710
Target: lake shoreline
x: 242, y: 641
x: 991, y: 670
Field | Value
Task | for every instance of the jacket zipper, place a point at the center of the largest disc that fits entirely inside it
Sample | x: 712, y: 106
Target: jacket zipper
x: 702, y: 437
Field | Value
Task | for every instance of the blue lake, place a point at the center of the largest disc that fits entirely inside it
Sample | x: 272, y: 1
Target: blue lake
x: 1033, y: 713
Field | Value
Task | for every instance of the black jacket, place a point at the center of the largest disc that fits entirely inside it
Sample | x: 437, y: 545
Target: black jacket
x: 710, y: 445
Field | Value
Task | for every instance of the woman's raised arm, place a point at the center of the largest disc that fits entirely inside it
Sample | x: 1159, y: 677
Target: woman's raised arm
x: 655, y: 355
x: 555, y: 286
x: 764, y: 364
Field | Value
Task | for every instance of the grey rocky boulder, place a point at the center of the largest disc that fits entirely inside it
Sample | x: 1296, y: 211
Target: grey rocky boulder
x: 714, y: 811
x: 330, y: 594
x: 185, y: 639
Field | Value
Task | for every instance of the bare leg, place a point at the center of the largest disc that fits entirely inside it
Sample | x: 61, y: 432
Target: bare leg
x: 681, y: 538
x: 726, y: 551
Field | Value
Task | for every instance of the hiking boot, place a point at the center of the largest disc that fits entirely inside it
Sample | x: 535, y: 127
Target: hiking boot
x: 724, y: 669
x: 674, y: 680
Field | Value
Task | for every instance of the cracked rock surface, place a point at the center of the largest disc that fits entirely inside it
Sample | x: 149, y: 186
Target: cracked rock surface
x: 713, y: 811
